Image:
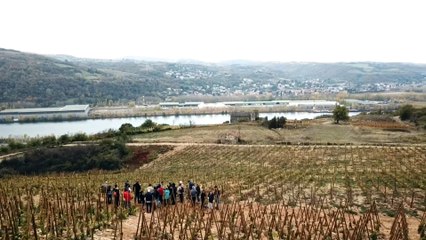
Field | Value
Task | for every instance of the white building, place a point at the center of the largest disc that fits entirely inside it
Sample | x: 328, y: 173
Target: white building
x: 66, y: 112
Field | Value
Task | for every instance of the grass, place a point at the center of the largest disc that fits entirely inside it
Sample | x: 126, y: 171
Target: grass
x: 251, y: 133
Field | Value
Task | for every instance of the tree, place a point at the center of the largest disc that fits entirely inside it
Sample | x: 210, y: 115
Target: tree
x: 64, y: 139
x: 126, y: 128
x: 406, y: 112
x: 49, y: 141
x: 80, y: 137
x: 340, y: 113
x: 272, y: 123
x: 148, y: 124
x: 275, y: 122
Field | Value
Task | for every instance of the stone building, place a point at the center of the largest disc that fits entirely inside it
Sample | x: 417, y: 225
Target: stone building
x: 244, y: 116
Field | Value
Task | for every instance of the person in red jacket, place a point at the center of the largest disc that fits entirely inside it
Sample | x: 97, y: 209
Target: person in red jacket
x: 160, y: 190
x: 127, y: 197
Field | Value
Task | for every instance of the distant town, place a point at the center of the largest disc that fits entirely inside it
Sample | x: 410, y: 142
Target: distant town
x: 278, y: 87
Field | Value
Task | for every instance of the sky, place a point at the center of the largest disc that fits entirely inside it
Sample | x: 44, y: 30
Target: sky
x: 219, y: 30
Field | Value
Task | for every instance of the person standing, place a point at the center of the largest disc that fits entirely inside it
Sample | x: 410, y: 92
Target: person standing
x: 190, y: 185
x: 217, y: 196
x: 148, y: 201
x: 127, y: 197
x: 211, y: 200
x: 160, y: 195
x: 166, y: 196
x: 203, y: 198
x: 193, y: 195
x: 180, y: 192
x: 127, y: 185
x: 137, y: 189
x: 109, y: 194
x: 116, y: 192
x: 155, y: 196
x: 172, y: 189
x: 149, y: 188
x: 197, y: 187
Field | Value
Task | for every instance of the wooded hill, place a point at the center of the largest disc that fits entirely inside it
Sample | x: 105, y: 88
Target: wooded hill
x: 34, y: 80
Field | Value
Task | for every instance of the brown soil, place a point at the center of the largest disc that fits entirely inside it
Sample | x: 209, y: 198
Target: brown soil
x: 130, y: 227
x: 319, y: 131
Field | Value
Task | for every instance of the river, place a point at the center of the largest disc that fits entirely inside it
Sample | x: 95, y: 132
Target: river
x: 92, y: 126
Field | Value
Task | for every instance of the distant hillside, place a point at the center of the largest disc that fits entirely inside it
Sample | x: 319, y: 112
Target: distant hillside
x: 35, y: 80
x: 30, y: 79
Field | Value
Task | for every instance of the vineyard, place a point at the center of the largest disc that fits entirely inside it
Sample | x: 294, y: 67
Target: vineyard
x: 382, y: 122
x: 268, y: 192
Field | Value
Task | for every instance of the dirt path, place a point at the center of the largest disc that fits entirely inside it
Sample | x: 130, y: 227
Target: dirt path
x: 9, y: 156
x: 129, y: 230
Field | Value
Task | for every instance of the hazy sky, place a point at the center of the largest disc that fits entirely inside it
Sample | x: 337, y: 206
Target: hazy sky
x: 216, y: 30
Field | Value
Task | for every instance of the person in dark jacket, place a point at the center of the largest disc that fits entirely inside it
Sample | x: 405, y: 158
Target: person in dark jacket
x: 193, y: 193
x: 109, y: 194
x: 137, y: 189
x: 116, y: 192
x: 190, y: 185
x: 172, y: 193
x: 149, y: 201
x: 197, y: 187
x: 127, y: 185
x: 217, y: 196
x: 211, y: 200
x: 155, y: 197
x: 203, y: 198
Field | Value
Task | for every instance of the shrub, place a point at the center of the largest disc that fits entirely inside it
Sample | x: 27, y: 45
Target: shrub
x: 148, y: 124
x: 64, y: 139
x: 106, y: 156
x: 275, y: 122
x: 126, y: 128
x: 6, y: 172
x: 4, y: 149
x: 80, y: 137
x: 49, y: 141
x: 14, y: 145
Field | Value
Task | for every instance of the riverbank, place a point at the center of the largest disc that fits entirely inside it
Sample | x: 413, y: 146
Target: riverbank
x: 93, y: 126
x: 155, y: 111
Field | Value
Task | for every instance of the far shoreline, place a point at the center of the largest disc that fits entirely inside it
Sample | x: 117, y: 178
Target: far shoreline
x: 127, y: 112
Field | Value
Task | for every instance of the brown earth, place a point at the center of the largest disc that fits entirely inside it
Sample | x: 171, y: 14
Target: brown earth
x: 129, y: 227
x: 319, y: 131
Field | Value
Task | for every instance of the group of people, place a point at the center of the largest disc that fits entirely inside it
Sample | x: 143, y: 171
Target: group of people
x: 158, y: 195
